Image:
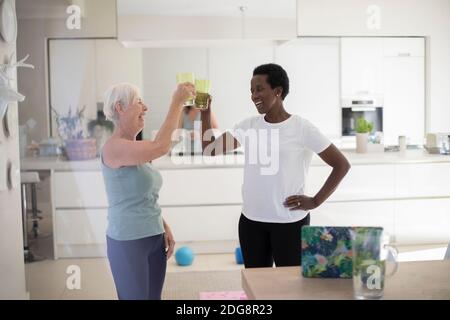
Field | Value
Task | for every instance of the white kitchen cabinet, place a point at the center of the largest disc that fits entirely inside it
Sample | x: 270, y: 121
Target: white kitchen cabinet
x: 410, y: 198
x: 361, y: 66
x: 394, y: 69
x: 313, y: 69
x: 79, y: 189
x: 86, y: 189
x: 80, y: 226
x: 364, y: 182
x: 422, y: 221
x: 403, y: 47
x: 404, y: 99
x: 201, y: 186
x: 203, y: 23
x: 203, y: 223
x: 80, y: 232
x: 422, y: 180
x: 364, y: 213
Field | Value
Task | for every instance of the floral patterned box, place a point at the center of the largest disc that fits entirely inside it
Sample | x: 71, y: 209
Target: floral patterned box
x: 326, y: 252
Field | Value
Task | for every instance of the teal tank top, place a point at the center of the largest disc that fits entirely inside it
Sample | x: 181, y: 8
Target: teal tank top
x: 133, y: 211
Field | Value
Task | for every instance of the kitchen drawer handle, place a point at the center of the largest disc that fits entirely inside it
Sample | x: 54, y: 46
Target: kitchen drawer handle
x: 404, y: 54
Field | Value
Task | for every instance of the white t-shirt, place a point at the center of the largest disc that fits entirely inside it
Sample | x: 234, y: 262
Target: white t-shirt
x: 277, y: 159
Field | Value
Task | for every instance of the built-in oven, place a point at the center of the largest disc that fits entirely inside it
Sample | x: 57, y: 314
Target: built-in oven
x: 368, y: 107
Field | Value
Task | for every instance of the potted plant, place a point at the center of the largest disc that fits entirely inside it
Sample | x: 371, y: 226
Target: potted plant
x: 70, y: 129
x: 363, y: 128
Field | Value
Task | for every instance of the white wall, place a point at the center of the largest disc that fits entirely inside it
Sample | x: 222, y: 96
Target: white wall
x: 33, y: 31
x: 398, y: 18
x: 313, y: 68
x: 12, y: 268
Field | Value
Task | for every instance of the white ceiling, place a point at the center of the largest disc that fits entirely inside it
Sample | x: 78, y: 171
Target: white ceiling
x: 253, y: 8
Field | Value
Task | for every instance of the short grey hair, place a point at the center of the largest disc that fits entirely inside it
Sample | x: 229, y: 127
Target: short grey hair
x: 123, y: 93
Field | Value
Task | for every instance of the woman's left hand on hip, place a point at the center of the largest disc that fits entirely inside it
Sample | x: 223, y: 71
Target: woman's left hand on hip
x: 300, y: 202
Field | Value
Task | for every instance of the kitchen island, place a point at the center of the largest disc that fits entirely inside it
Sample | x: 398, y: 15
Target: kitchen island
x: 406, y: 193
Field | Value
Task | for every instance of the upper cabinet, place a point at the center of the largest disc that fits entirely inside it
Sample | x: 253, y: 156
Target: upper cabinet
x: 403, y: 47
x: 369, y: 18
x: 361, y: 66
x: 404, y: 89
x: 200, y: 23
x: 392, y: 68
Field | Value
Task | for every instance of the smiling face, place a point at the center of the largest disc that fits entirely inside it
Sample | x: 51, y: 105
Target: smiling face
x: 133, y: 115
x: 263, y: 96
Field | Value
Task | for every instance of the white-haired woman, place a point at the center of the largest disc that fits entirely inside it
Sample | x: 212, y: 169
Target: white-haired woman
x: 139, y: 241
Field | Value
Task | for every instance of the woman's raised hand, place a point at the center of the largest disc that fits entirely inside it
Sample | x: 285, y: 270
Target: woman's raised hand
x: 183, y: 92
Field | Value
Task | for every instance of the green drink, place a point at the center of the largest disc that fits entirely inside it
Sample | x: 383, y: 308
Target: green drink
x: 202, y: 86
x: 186, y: 77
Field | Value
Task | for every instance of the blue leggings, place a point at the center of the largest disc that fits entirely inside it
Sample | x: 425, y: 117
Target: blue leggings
x: 138, y: 267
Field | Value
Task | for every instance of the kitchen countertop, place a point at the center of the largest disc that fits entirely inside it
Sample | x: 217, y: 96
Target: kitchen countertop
x: 413, y: 281
x: 233, y: 161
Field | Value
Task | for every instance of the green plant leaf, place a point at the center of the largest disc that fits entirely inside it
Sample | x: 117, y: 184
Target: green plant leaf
x: 363, y: 126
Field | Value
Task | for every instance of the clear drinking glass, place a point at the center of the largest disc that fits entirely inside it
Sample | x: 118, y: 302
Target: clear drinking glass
x: 371, y: 249
x: 202, y: 87
x: 186, y: 77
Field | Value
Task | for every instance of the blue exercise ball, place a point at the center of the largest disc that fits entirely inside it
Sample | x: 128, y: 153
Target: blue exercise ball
x: 238, y: 255
x: 184, y: 256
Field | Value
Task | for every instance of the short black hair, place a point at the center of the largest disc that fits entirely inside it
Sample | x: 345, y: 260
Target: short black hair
x: 276, y: 76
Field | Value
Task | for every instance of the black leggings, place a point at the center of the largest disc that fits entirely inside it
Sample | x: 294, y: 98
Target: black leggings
x: 262, y: 243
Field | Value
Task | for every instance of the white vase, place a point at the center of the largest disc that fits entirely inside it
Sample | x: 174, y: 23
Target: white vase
x: 361, y: 142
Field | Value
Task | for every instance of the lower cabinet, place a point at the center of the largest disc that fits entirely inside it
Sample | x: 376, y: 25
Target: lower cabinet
x: 363, y: 182
x: 206, y: 223
x: 80, y: 226
x: 424, y: 180
x: 410, y: 201
x: 80, y: 233
x: 422, y: 221
x: 201, y: 186
x: 358, y: 213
